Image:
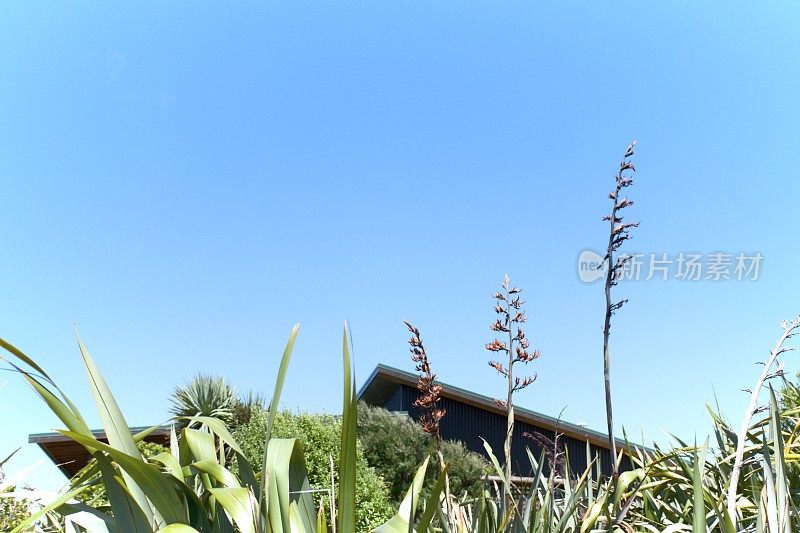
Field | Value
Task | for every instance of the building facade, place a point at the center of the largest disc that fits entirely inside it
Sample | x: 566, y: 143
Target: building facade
x: 472, y: 418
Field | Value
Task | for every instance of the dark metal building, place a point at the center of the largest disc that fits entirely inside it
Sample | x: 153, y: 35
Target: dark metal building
x: 472, y: 417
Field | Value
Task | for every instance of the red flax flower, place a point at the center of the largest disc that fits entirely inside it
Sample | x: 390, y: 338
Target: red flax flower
x: 428, y: 400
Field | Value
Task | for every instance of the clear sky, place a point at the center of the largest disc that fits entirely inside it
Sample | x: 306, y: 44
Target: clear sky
x: 184, y: 182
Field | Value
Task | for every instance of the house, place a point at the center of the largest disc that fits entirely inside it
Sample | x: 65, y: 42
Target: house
x: 472, y: 417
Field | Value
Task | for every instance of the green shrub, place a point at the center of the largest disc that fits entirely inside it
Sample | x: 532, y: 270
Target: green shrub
x: 395, y: 446
x: 12, y: 511
x: 321, y: 436
x: 244, y: 407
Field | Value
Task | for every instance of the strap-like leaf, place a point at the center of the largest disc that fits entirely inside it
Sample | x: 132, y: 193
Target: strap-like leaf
x: 177, y: 528
x: 128, y: 516
x: 239, y: 505
x: 155, y: 484
x: 433, y: 501
x: 288, y: 486
x: 699, y: 524
x: 273, y: 406
x: 116, y: 428
x: 403, y: 521
x: 217, y: 472
x: 55, y: 504
x: 200, y: 444
x: 346, y: 512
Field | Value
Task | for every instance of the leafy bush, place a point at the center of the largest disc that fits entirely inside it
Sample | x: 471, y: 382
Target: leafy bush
x: 12, y: 510
x: 320, y: 435
x: 244, y: 408
x: 395, y: 445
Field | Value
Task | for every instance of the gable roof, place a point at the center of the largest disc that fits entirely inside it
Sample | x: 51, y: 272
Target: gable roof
x: 70, y: 456
x: 385, y: 379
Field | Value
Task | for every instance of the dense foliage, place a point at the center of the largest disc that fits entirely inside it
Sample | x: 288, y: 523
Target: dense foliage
x: 321, y: 437
x: 205, y: 482
x: 12, y: 510
x: 191, y: 488
x: 395, y: 445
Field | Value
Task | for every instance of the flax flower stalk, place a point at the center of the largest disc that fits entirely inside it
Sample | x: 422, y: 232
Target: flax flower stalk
x: 509, y: 324
x: 618, y: 234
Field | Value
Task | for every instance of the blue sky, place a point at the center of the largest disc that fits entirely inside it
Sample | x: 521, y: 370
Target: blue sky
x: 186, y: 183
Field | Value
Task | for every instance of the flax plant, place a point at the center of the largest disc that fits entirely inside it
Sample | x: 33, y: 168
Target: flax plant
x: 515, y: 347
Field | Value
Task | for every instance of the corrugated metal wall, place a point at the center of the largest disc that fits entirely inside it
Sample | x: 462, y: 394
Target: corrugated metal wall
x: 469, y: 424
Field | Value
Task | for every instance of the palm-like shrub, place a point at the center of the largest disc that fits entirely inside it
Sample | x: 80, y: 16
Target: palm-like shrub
x: 203, y: 395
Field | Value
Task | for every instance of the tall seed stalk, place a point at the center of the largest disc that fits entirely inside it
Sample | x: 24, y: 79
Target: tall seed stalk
x: 428, y: 400
x: 618, y: 234
x: 511, y: 316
